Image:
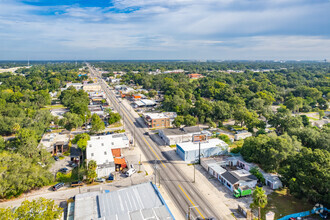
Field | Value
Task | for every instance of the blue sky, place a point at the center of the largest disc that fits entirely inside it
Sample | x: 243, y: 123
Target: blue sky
x: 164, y: 29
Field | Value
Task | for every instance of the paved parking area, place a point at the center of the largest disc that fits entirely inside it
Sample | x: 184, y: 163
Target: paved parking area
x: 61, y: 163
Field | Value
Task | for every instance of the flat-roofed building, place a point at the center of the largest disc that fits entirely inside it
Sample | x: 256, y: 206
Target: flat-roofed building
x: 99, y: 149
x: 159, y: 120
x: 173, y: 136
x: 189, y: 151
x: 92, y: 87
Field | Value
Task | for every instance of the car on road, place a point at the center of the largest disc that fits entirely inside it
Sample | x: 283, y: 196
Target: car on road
x: 64, y: 170
x: 58, y: 186
x: 100, y: 180
x: 111, y: 177
x: 77, y: 183
x: 131, y: 171
x: 56, y: 158
x: 146, y: 133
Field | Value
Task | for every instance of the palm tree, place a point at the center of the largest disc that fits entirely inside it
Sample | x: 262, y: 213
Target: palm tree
x: 259, y: 199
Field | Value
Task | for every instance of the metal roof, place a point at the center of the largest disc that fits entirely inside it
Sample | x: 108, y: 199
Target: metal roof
x: 138, y: 202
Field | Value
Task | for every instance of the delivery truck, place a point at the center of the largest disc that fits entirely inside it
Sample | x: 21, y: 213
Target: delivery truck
x: 240, y: 192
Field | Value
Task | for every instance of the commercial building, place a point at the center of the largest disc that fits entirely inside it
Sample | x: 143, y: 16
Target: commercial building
x: 230, y: 176
x: 173, y: 136
x: 92, y: 87
x: 159, y: 120
x: 144, y: 103
x: 77, y: 86
x: 237, y: 172
x: 99, y: 149
x: 138, y: 202
x: 190, y: 151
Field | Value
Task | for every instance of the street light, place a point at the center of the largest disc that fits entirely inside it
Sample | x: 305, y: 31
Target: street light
x: 190, y: 207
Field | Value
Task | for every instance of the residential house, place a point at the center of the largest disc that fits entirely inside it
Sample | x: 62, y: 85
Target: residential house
x: 195, y: 76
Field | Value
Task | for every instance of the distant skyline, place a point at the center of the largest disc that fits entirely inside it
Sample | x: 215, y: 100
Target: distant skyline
x: 164, y: 29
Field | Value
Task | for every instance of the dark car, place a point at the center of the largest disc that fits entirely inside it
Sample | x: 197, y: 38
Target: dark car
x: 56, y: 158
x: 146, y: 133
x: 111, y: 177
x: 57, y: 186
x: 77, y: 183
x: 64, y: 170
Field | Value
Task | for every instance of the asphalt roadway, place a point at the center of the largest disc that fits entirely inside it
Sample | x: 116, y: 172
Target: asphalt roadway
x: 180, y: 188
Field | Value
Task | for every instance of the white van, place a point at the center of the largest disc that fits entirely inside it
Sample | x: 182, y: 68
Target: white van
x: 131, y: 171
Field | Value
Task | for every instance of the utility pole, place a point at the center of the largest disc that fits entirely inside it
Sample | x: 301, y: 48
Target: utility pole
x: 140, y: 164
x: 199, y: 153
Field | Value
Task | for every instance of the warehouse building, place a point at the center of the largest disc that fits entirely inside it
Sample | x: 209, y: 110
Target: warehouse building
x: 172, y: 136
x: 137, y: 202
x: 189, y: 151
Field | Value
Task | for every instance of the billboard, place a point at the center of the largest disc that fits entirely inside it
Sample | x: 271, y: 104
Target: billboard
x: 199, y: 137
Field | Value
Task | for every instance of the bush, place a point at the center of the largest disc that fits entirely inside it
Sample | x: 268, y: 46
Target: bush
x: 255, y: 171
x: 225, y: 138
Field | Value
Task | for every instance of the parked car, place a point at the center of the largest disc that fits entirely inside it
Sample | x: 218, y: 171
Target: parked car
x: 111, y: 177
x: 77, y: 183
x: 146, y: 133
x: 64, y: 170
x: 56, y: 158
x: 131, y: 171
x: 100, y: 180
x: 57, y: 186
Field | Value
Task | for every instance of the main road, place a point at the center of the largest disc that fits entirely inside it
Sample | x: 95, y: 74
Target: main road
x: 180, y: 188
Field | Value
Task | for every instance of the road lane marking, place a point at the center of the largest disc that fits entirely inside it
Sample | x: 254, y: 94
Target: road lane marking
x: 153, y: 151
x: 191, y: 201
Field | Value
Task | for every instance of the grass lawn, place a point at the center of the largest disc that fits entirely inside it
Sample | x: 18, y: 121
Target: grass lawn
x: 311, y: 118
x: 283, y: 204
x: 115, y: 125
x: 47, y: 107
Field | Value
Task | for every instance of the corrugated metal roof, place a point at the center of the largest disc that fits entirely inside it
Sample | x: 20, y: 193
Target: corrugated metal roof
x: 137, y: 202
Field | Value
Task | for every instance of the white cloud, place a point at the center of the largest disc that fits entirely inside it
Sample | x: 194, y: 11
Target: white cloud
x: 224, y: 29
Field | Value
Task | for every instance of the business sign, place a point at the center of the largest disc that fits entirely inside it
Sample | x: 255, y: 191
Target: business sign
x: 199, y: 137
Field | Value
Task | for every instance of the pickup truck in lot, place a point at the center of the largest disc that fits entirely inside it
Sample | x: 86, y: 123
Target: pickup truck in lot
x: 78, y: 183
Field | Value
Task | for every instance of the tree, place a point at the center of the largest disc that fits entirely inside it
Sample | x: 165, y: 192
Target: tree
x: 259, y: 199
x: 295, y: 104
x: 97, y: 123
x: 178, y: 121
x: 225, y: 138
x: 71, y: 120
x: 81, y: 141
x: 41, y: 208
x: 20, y: 174
x: 152, y: 93
x: 190, y: 120
x: 269, y: 151
x: 114, y: 117
x: 91, y: 170
x: 307, y: 175
x: 321, y: 114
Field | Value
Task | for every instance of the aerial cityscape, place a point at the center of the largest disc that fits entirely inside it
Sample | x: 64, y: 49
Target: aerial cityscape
x: 154, y: 109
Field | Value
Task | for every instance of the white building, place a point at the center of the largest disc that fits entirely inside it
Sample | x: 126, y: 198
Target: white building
x: 242, y: 136
x: 173, y: 136
x: 189, y: 151
x: 99, y: 149
x: 231, y: 178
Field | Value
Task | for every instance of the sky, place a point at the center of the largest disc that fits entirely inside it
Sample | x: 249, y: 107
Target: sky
x: 164, y: 29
